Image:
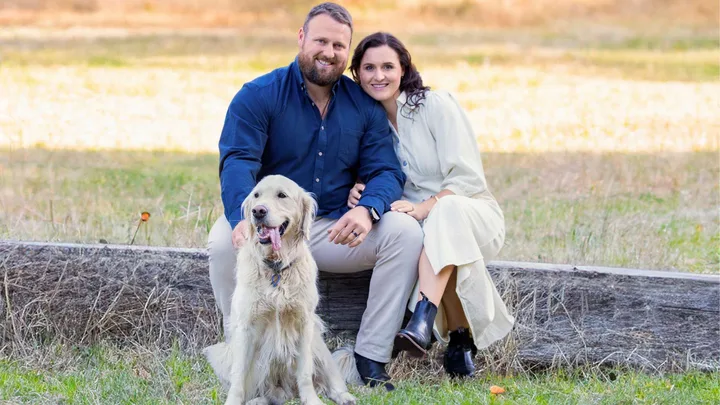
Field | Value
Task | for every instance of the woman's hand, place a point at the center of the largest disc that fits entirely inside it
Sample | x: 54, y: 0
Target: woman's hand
x: 419, y: 211
x: 355, y: 194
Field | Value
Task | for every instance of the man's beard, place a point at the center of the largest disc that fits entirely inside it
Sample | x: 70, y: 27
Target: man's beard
x: 315, y: 76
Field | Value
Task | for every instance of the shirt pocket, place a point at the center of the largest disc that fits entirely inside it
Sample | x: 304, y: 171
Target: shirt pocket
x: 350, y: 147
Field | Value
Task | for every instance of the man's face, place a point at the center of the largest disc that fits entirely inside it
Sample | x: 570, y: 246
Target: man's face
x: 324, y: 50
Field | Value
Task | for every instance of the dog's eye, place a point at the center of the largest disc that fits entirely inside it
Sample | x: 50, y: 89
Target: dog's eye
x: 256, y: 195
x: 281, y: 195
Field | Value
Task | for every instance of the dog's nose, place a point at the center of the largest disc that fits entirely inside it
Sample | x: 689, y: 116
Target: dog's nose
x: 260, y: 211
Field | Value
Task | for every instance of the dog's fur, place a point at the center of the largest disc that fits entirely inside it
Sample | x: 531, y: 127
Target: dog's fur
x: 275, y: 350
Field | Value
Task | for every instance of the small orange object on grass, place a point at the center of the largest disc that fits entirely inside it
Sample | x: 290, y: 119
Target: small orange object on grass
x: 496, y: 390
x: 145, y: 216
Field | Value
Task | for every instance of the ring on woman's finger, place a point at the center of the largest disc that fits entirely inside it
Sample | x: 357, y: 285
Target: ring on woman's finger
x: 356, y: 234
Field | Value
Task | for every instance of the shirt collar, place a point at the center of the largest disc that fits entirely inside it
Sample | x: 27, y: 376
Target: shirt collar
x: 402, y: 99
x: 295, y: 67
x: 402, y: 104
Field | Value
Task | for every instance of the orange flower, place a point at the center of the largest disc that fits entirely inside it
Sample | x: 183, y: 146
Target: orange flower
x: 144, y: 216
x: 496, y: 390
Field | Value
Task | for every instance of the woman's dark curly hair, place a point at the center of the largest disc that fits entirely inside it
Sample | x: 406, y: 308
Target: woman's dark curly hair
x: 411, y: 82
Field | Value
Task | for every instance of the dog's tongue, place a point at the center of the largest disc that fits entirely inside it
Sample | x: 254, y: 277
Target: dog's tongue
x: 275, y: 238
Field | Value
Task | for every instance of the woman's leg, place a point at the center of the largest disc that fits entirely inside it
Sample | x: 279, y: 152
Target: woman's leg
x: 431, y: 284
x: 417, y: 334
x: 439, y: 287
x: 454, y: 313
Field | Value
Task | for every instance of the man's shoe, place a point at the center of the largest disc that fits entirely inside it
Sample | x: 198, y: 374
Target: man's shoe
x: 458, y: 361
x: 417, y: 335
x: 372, y: 372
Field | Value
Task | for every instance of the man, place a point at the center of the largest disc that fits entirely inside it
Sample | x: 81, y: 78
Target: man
x: 309, y: 122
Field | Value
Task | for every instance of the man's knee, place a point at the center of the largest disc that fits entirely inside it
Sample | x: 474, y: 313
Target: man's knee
x: 220, y: 239
x: 403, y: 225
x: 221, y: 252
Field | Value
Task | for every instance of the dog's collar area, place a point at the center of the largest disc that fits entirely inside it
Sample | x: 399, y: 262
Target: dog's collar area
x: 277, y: 268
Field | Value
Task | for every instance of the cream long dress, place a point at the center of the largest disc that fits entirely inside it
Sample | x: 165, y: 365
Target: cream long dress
x: 437, y: 150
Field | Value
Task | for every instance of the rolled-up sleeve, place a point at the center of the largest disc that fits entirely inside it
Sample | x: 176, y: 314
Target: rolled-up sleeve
x: 241, y: 145
x: 379, y: 167
x: 457, y: 149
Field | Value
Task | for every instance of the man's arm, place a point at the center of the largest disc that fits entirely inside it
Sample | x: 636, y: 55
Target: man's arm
x: 242, y: 142
x: 379, y: 167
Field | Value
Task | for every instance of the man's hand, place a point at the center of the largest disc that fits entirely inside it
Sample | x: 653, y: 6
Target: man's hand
x: 419, y: 211
x: 351, y: 228
x: 239, y: 234
x: 355, y: 194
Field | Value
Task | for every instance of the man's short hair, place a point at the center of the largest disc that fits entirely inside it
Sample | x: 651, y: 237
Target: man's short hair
x: 335, y: 11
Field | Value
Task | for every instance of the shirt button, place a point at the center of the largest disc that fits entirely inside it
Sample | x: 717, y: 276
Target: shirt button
x: 322, y: 127
x: 319, y: 153
x: 317, y: 180
x: 405, y: 163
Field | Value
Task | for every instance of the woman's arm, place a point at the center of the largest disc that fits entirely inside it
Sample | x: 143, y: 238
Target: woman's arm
x: 457, y: 149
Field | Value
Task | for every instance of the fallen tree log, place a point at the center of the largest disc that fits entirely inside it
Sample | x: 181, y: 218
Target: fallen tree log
x: 565, y: 315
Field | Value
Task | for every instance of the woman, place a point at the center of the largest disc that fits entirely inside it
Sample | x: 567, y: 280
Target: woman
x: 446, y: 191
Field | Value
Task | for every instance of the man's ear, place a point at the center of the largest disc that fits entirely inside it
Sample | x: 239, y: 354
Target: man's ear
x: 309, y: 208
x: 301, y: 37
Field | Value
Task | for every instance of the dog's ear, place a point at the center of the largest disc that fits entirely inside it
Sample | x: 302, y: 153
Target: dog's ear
x: 246, y: 208
x: 309, y: 208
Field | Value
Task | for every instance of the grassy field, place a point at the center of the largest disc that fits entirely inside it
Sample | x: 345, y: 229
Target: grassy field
x: 600, y: 139
x: 600, y: 144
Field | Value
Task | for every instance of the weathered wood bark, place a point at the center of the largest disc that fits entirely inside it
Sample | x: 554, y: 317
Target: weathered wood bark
x: 565, y: 315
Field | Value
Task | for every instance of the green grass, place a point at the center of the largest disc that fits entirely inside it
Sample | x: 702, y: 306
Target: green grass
x: 99, y: 375
x: 629, y: 210
x: 102, y: 374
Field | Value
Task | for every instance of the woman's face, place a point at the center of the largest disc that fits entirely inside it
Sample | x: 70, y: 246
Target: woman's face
x: 380, y: 73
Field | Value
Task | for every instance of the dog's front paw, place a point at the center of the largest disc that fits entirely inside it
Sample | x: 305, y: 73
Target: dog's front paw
x: 346, y: 398
x: 313, y: 401
x: 342, y: 397
x: 258, y: 401
x: 234, y: 398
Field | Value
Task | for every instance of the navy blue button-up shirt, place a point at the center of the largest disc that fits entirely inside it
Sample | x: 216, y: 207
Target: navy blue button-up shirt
x: 273, y: 127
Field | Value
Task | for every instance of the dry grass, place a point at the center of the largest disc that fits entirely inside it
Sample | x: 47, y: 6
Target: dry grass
x: 84, y: 297
x: 180, y: 105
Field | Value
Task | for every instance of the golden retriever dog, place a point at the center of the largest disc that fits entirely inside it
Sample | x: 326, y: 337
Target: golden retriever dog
x: 276, y: 350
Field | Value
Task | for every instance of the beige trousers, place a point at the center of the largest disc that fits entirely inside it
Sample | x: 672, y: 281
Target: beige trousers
x: 392, y: 249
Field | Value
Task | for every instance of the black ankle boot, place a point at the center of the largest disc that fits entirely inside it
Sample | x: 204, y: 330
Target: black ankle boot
x: 372, y: 373
x: 415, y: 338
x: 459, y: 356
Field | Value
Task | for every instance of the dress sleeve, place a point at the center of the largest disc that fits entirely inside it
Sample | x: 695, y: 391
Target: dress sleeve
x: 457, y: 149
